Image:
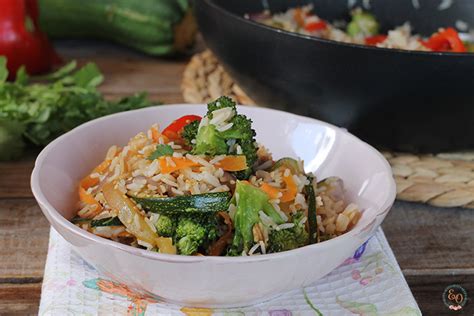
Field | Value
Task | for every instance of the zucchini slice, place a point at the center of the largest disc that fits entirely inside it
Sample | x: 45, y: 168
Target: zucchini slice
x: 198, y: 203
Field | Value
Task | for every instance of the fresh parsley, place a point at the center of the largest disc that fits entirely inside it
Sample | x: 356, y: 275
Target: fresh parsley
x: 161, y: 150
x: 36, y: 110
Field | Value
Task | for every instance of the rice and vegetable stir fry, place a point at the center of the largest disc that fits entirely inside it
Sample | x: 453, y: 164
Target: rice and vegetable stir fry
x: 362, y: 29
x: 203, y: 186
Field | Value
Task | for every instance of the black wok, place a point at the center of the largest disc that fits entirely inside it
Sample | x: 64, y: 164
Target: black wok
x: 401, y: 100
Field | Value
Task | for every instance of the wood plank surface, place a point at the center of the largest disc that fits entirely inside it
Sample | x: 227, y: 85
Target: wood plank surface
x: 434, y: 247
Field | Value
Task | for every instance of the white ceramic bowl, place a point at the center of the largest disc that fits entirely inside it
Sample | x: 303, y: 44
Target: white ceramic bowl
x: 216, y: 281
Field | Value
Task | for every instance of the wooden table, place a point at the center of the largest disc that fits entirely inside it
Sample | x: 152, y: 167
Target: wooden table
x: 434, y: 247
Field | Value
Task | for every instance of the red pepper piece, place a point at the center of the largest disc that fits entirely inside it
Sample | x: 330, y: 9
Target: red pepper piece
x: 315, y: 26
x: 21, y: 40
x: 174, y: 130
x: 447, y: 40
x: 374, y: 40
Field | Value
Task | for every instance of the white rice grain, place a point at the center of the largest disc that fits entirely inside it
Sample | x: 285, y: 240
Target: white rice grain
x: 285, y: 226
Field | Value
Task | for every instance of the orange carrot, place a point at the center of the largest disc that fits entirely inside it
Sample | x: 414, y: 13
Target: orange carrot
x: 298, y: 17
x: 180, y: 163
x: 88, y: 181
x: 155, y: 135
x: 233, y: 163
x: 89, y: 199
x: 270, y: 190
x: 291, y: 189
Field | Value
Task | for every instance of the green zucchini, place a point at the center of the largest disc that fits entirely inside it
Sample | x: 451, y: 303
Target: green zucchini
x: 312, y: 219
x: 156, y: 27
x: 198, y: 203
x: 109, y: 221
x: 289, y: 163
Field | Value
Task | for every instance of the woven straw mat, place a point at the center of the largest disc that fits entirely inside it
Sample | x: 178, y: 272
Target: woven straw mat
x: 444, y: 180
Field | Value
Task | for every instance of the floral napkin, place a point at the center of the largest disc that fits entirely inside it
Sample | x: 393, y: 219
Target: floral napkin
x: 368, y: 284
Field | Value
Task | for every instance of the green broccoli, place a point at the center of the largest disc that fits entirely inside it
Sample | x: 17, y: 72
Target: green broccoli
x: 290, y: 238
x: 165, y: 226
x: 190, y: 131
x: 362, y: 23
x: 210, y: 141
x: 195, y: 231
x: 249, y: 203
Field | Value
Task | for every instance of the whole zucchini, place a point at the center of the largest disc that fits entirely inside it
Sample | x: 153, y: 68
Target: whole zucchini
x: 156, y: 27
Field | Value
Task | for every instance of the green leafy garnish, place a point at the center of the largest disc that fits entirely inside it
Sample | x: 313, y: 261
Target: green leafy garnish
x: 36, y: 110
x: 161, y: 150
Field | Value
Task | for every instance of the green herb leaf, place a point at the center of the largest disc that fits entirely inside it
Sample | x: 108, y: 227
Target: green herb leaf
x: 40, y: 112
x: 3, y: 69
x: 11, y: 140
x: 60, y: 73
x: 21, y: 76
x: 88, y: 76
x: 161, y: 150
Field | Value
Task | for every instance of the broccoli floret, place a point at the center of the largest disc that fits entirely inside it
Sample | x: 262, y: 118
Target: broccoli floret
x: 362, y: 23
x: 188, y: 226
x: 250, y: 202
x: 187, y: 246
x: 189, y: 132
x: 290, y: 238
x: 165, y: 226
x: 195, y: 231
x: 210, y: 141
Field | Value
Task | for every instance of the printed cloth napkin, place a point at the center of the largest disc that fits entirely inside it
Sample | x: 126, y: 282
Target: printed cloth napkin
x: 369, y: 283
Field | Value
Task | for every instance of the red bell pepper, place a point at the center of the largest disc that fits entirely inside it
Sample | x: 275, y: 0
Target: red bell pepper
x: 21, y: 39
x: 376, y: 39
x: 174, y: 130
x: 315, y: 26
x: 447, y: 40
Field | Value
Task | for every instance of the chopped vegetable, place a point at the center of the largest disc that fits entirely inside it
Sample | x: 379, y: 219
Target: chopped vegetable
x: 165, y: 226
x: 316, y: 26
x: 289, y: 238
x: 233, y: 163
x: 217, y: 248
x: 249, y: 202
x: 134, y: 221
x: 312, y: 219
x: 289, y: 193
x: 235, y: 136
x: 176, y: 128
x: 160, y: 151
x: 109, y: 221
x: 271, y: 191
x: 374, y: 40
x: 88, y: 199
x: 176, y: 164
x: 88, y: 181
x: 197, y: 203
x: 362, y: 24
x: 447, y: 40
x: 294, y: 165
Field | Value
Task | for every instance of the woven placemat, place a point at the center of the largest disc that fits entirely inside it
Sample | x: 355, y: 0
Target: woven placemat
x: 445, y: 180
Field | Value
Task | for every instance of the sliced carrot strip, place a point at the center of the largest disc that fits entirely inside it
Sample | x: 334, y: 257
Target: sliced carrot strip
x: 89, y: 199
x: 291, y: 189
x: 233, y: 163
x: 88, y: 182
x: 270, y: 190
x: 298, y: 17
x: 180, y: 163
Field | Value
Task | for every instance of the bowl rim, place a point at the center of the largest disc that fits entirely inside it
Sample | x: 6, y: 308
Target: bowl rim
x: 254, y: 24
x: 66, y: 224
